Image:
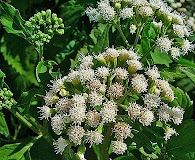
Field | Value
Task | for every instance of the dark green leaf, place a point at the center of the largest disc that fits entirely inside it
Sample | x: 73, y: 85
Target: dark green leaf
x: 16, y: 151
x: 3, y: 126
x: 69, y: 154
x: 143, y: 141
x: 182, y: 99
x: 20, y: 56
x: 160, y: 58
x: 11, y: 19
x: 102, y: 39
x: 42, y: 150
x: 190, y: 72
x: 179, y: 146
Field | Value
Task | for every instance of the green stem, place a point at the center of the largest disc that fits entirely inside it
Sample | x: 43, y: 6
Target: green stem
x: 118, y: 26
x: 106, y: 144
x: 27, y: 123
x: 146, y: 54
x: 138, y: 34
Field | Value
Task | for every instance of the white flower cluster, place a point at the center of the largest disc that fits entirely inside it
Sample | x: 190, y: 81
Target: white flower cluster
x: 169, y: 24
x: 94, y: 94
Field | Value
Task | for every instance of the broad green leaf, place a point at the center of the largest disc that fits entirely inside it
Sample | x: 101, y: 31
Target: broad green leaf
x: 185, y: 62
x: 160, y: 57
x: 20, y: 56
x: 143, y: 141
x: 69, y: 154
x: 149, y: 31
x: 145, y: 43
x: 97, y: 151
x: 172, y: 73
x: 190, y: 72
x: 181, y: 145
x: 16, y: 151
x: 182, y: 99
x: 11, y: 19
x: 102, y: 40
x: 3, y: 126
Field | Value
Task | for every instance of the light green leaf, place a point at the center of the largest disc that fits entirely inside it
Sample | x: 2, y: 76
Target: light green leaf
x: 160, y: 57
x: 190, y: 72
x: 181, y: 145
x: 11, y: 19
x: 3, y: 126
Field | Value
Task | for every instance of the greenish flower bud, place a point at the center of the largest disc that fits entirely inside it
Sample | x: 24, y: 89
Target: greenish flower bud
x: 60, y: 20
x: 43, y: 13
x: 48, y: 13
x: 62, y: 25
x: 60, y: 31
x: 8, y: 93
x: 48, y: 21
x: 41, y: 21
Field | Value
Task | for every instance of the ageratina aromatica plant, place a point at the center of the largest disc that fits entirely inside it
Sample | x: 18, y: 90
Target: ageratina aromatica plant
x: 118, y: 100
x: 104, y: 100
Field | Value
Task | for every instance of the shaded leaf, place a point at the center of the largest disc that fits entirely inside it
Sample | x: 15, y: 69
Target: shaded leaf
x: 3, y: 126
x: 11, y: 19
x: 190, y: 72
x: 180, y: 146
x: 69, y: 154
x: 102, y: 39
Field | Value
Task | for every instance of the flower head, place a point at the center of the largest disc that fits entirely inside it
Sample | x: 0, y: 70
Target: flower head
x: 119, y: 147
x: 59, y: 145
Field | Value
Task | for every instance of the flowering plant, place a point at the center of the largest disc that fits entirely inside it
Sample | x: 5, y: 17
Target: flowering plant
x: 118, y: 99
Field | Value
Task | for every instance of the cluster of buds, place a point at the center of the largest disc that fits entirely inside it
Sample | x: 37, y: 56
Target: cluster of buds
x: 6, y: 99
x: 42, y: 27
x: 97, y: 93
x: 170, y: 27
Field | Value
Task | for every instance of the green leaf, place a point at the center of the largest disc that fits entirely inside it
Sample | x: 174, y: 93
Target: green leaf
x: 69, y: 154
x: 182, y: 99
x: 149, y: 31
x: 3, y: 126
x: 43, y: 150
x: 185, y: 62
x: 44, y: 71
x: 11, y: 20
x: 160, y: 58
x: 2, y: 76
x: 102, y: 38
x: 180, y: 146
x: 20, y: 56
x: 16, y: 151
x: 145, y: 43
x: 143, y: 141
x: 190, y: 72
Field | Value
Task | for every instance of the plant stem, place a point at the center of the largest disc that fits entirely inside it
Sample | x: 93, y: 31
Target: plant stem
x: 138, y: 34
x: 146, y: 54
x: 118, y: 26
x: 106, y: 144
x: 26, y: 122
